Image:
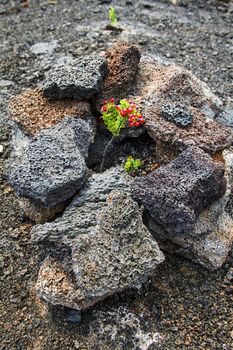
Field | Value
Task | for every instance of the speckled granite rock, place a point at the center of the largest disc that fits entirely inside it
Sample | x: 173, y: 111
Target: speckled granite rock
x: 210, y: 242
x: 34, y: 112
x: 50, y: 167
x: 80, y: 217
x: 118, y: 253
x: 176, y: 194
x: 79, y: 78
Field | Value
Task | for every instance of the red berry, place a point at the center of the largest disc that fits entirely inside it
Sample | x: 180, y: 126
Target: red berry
x: 104, y: 109
x: 130, y: 109
x: 123, y: 112
x: 137, y: 124
x: 112, y: 100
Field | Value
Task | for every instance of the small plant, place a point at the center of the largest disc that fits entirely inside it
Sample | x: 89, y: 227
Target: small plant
x: 132, y: 165
x: 117, y: 116
x: 112, y: 16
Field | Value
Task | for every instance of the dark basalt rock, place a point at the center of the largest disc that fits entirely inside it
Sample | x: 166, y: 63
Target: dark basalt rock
x: 79, y: 78
x: 50, y: 167
x: 177, y: 193
x: 178, y: 114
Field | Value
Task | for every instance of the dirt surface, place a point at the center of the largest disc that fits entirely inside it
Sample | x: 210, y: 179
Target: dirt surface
x: 183, y: 306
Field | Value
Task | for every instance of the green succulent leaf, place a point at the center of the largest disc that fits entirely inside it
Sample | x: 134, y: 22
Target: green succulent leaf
x: 132, y: 165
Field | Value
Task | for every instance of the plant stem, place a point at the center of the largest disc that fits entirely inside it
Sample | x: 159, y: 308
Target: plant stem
x: 105, y: 153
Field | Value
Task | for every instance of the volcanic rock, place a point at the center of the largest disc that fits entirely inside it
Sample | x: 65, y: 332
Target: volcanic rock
x: 80, y: 217
x: 117, y: 254
x: 50, y: 167
x: 79, y: 78
x: 34, y: 112
x: 176, y: 194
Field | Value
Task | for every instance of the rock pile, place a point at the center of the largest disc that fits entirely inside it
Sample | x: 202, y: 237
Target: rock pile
x: 100, y: 244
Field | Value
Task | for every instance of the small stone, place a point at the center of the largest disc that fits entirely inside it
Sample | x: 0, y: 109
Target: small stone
x: 123, y: 59
x: 74, y: 316
x: 78, y: 79
x: 226, y: 117
x: 1, y: 149
x: 44, y: 48
x: 177, y: 113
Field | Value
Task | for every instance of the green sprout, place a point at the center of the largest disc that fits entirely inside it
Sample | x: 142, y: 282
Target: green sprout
x: 112, y: 16
x: 132, y: 165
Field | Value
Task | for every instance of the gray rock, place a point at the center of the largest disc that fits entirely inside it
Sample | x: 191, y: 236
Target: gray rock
x: 176, y: 194
x: 226, y: 117
x: 44, y: 48
x: 177, y: 113
x: 118, y: 253
x: 81, y: 215
x: 49, y: 168
x: 79, y: 78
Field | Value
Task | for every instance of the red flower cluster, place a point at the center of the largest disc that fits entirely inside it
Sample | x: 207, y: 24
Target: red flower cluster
x: 127, y: 109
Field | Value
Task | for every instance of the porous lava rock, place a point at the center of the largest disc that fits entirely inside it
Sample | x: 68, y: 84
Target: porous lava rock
x: 178, y: 114
x: 211, y: 240
x: 79, y: 78
x: 176, y: 194
x: 80, y: 216
x: 50, y: 167
x: 158, y: 86
x: 33, y: 112
x: 173, y: 83
x: 123, y: 59
x: 172, y: 139
x: 119, y: 253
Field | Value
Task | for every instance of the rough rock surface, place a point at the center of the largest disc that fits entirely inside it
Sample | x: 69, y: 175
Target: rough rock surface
x: 34, y: 112
x: 177, y: 114
x: 50, y: 167
x: 80, y: 78
x: 173, y: 83
x: 211, y: 239
x: 40, y: 214
x: 226, y: 117
x: 173, y: 139
x: 123, y: 59
x: 209, y: 250
x: 162, y: 85
x: 176, y: 194
x: 80, y: 217
x: 118, y: 253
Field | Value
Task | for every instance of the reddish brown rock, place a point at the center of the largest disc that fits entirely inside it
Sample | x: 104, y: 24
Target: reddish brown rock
x: 173, y: 83
x: 34, y: 112
x: 159, y: 86
x: 123, y: 59
x: 40, y: 214
x: 172, y: 139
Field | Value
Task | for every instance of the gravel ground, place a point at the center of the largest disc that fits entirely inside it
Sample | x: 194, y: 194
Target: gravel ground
x: 188, y: 306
